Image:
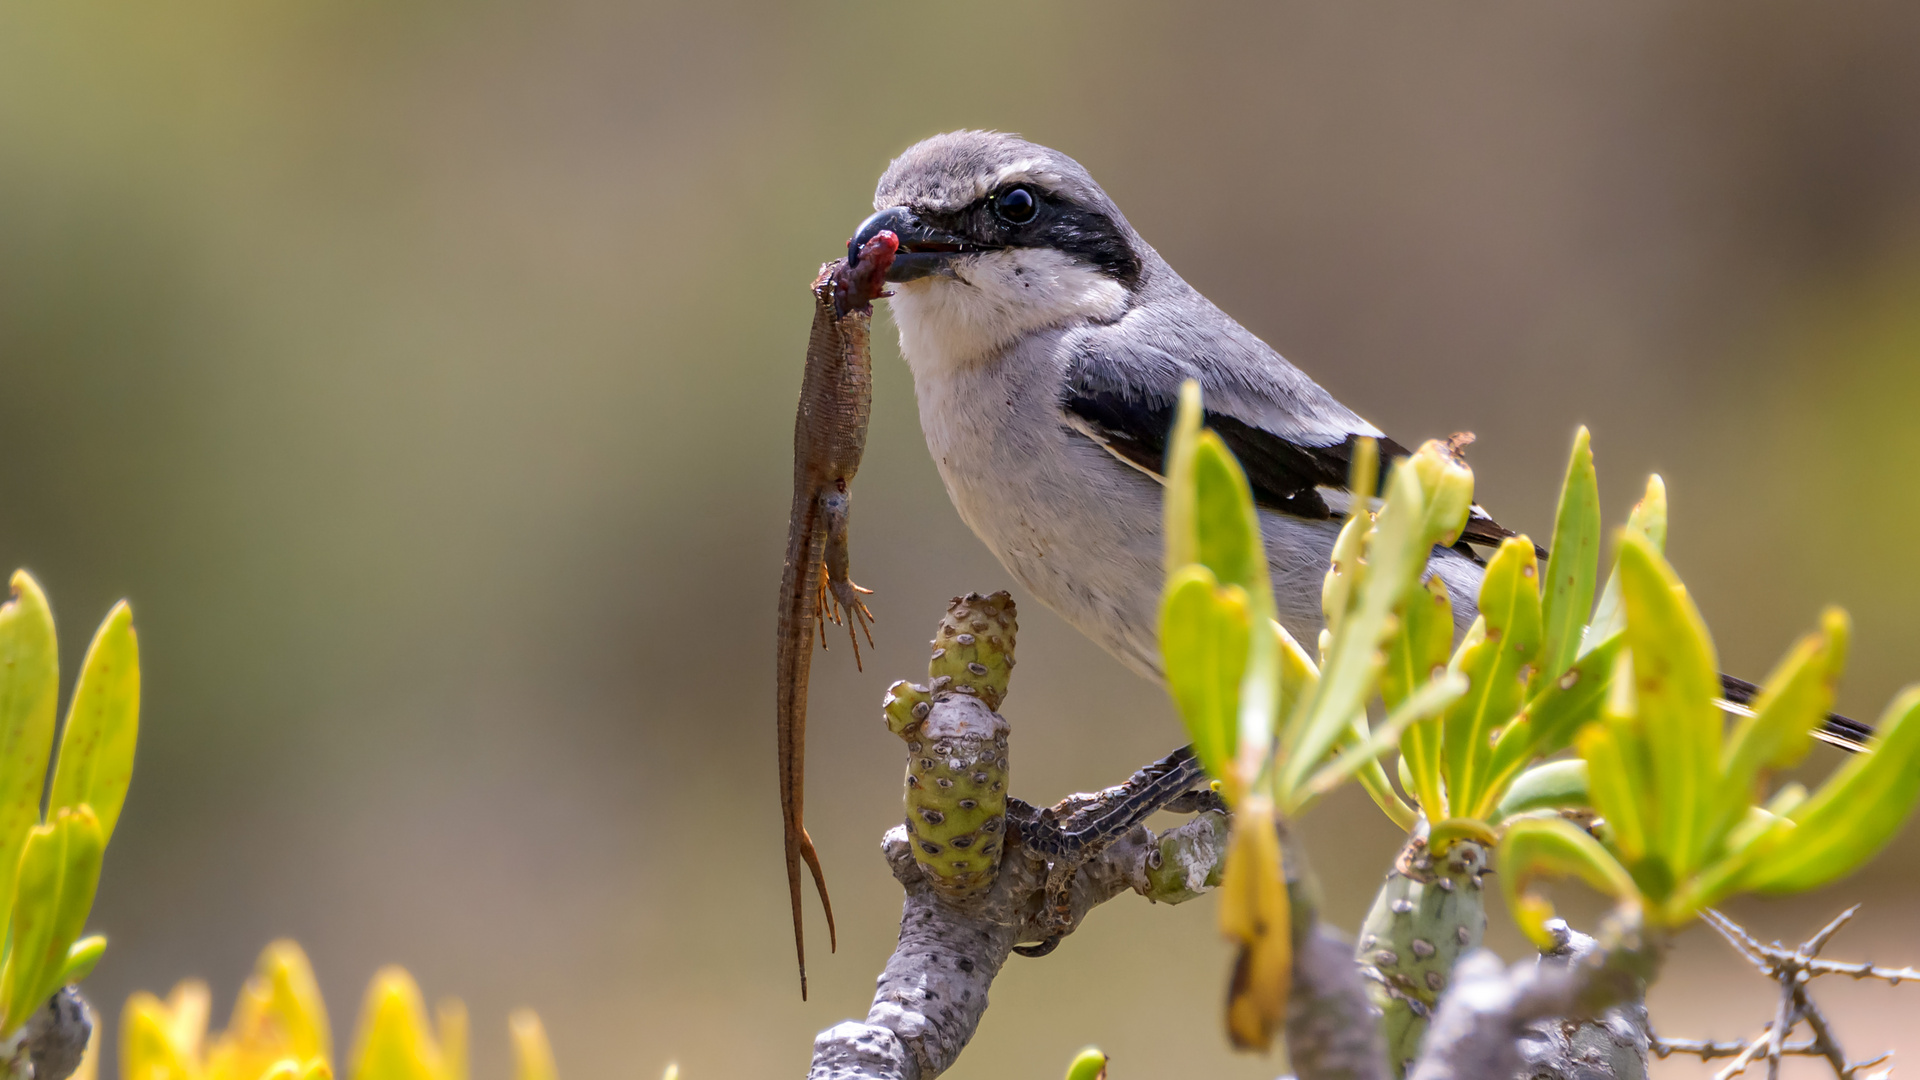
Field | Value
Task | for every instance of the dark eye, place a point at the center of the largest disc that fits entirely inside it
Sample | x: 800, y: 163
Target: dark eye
x: 1016, y: 205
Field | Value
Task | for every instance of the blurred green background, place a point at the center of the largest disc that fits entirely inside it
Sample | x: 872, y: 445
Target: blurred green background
x: 424, y: 372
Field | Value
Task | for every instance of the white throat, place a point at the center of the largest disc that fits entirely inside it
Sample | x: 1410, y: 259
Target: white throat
x: 992, y: 299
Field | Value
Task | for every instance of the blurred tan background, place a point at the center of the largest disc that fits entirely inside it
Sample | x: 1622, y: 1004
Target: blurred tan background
x: 424, y: 374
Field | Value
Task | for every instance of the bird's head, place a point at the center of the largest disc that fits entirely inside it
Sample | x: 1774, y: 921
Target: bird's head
x: 999, y: 237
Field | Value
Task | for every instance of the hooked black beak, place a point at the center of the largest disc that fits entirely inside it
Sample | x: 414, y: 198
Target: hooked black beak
x: 923, y: 250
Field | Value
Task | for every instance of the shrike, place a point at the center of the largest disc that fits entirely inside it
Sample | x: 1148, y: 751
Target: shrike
x: 1048, y: 343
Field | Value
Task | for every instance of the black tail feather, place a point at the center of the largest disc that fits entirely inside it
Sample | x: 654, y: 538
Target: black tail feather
x: 1841, y: 731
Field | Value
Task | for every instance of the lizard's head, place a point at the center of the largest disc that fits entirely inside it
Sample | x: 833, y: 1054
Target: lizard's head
x: 999, y: 237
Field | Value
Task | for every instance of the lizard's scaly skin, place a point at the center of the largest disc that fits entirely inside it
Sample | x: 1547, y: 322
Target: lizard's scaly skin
x: 829, y: 435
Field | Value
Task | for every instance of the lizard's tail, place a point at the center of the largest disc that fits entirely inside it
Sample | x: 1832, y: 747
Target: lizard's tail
x: 800, y: 848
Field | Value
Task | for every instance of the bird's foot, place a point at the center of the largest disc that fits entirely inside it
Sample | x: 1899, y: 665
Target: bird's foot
x: 1069, y: 834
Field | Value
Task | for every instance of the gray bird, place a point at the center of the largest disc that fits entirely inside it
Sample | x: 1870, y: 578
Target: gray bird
x: 1048, y: 343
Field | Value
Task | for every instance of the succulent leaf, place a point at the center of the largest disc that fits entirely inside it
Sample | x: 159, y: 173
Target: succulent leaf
x: 1554, y: 785
x: 103, y: 723
x: 1534, y: 849
x: 1573, y: 565
x: 1203, y: 650
x: 1256, y: 915
x: 1496, y: 665
x: 1676, y: 681
x: 59, y: 872
x: 29, y: 686
x: 1649, y: 520
x: 1088, y: 1064
x: 1855, y: 813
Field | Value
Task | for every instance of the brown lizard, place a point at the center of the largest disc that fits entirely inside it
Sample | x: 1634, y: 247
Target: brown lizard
x: 829, y: 435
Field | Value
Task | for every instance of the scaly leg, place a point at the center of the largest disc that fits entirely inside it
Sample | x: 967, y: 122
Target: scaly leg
x: 838, y: 594
x: 1079, y: 827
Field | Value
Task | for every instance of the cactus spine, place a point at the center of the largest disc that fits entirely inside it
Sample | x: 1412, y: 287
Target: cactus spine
x: 1430, y: 912
x: 956, y: 790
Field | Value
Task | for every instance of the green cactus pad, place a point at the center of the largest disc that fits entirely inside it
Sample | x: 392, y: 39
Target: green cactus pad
x: 956, y: 798
x: 1429, y: 913
x: 973, y: 648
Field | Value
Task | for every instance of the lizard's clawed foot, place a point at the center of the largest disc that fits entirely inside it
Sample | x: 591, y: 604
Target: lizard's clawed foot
x: 1068, y: 835
x: 840, y: 601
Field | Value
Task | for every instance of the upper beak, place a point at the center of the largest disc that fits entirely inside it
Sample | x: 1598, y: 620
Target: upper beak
x: 923, y: 250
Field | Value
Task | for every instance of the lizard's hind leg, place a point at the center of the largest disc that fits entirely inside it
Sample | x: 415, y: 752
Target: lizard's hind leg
x: 839, y: 596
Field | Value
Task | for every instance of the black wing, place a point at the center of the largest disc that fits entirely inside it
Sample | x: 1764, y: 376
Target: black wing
x: 1285, y: 474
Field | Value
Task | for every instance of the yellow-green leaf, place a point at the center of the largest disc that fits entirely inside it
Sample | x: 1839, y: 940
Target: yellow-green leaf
x: 1496, y: 667
x: 1178, y: 498
x: 450, y: 1022
x: 1618, y: 774
x: 59, y: 873
x: 1534, y: 849
x: 394, y: 1042
x: 1675, y: 682
x: 1088, y: 1064
x: 1555, y: 785
x: 1853, y: 815
x: 103, y: 723
x: 1203, y: 650
x: 1395, y: 559
x: 1649, y: 519
x: 532, y: 1054
x: 1417, y: 652
x: 1549, y: 722
x: 1256, y: 914
x: 1573, y: 565
x: 1792, y: 702
x: 81, y: 959
x: 29, y: 688
x: 1430, y: 700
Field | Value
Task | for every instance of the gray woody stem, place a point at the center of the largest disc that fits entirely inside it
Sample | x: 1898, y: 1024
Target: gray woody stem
x: 1492, y: 1013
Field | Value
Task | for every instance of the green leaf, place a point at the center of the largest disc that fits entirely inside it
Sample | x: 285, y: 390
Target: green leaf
x: 1088, y: 1064
x: 59, y: 872
x: 1430, y: 700
x: 1853, y: 815
x: 1549, y: 722
x: 1497, y: 666
x: 1419, y: 649
x: 1649, y: 519
x: 1675, y: 683
x: 29, y: 688
x: 81, y: 959
x: 1395, y: 559
x: 1618, y: 774
x: 1203, y: 649
x: 1539, y: 848
x: 1572, y: 567
x: 1178, y: 499
x: 103, y: 723
x: 1555, y: 785
x: 1793, y: 701
x: 1227, y: 524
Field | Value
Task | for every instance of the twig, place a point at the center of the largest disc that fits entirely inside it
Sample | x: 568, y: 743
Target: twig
x: 1792, y: 970
x: 1709, y: 1049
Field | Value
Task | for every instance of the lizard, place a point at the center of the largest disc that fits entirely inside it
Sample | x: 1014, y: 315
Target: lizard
x: 829, y: 436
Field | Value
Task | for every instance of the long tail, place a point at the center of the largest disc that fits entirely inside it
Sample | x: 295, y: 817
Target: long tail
x: 1842, y: 731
